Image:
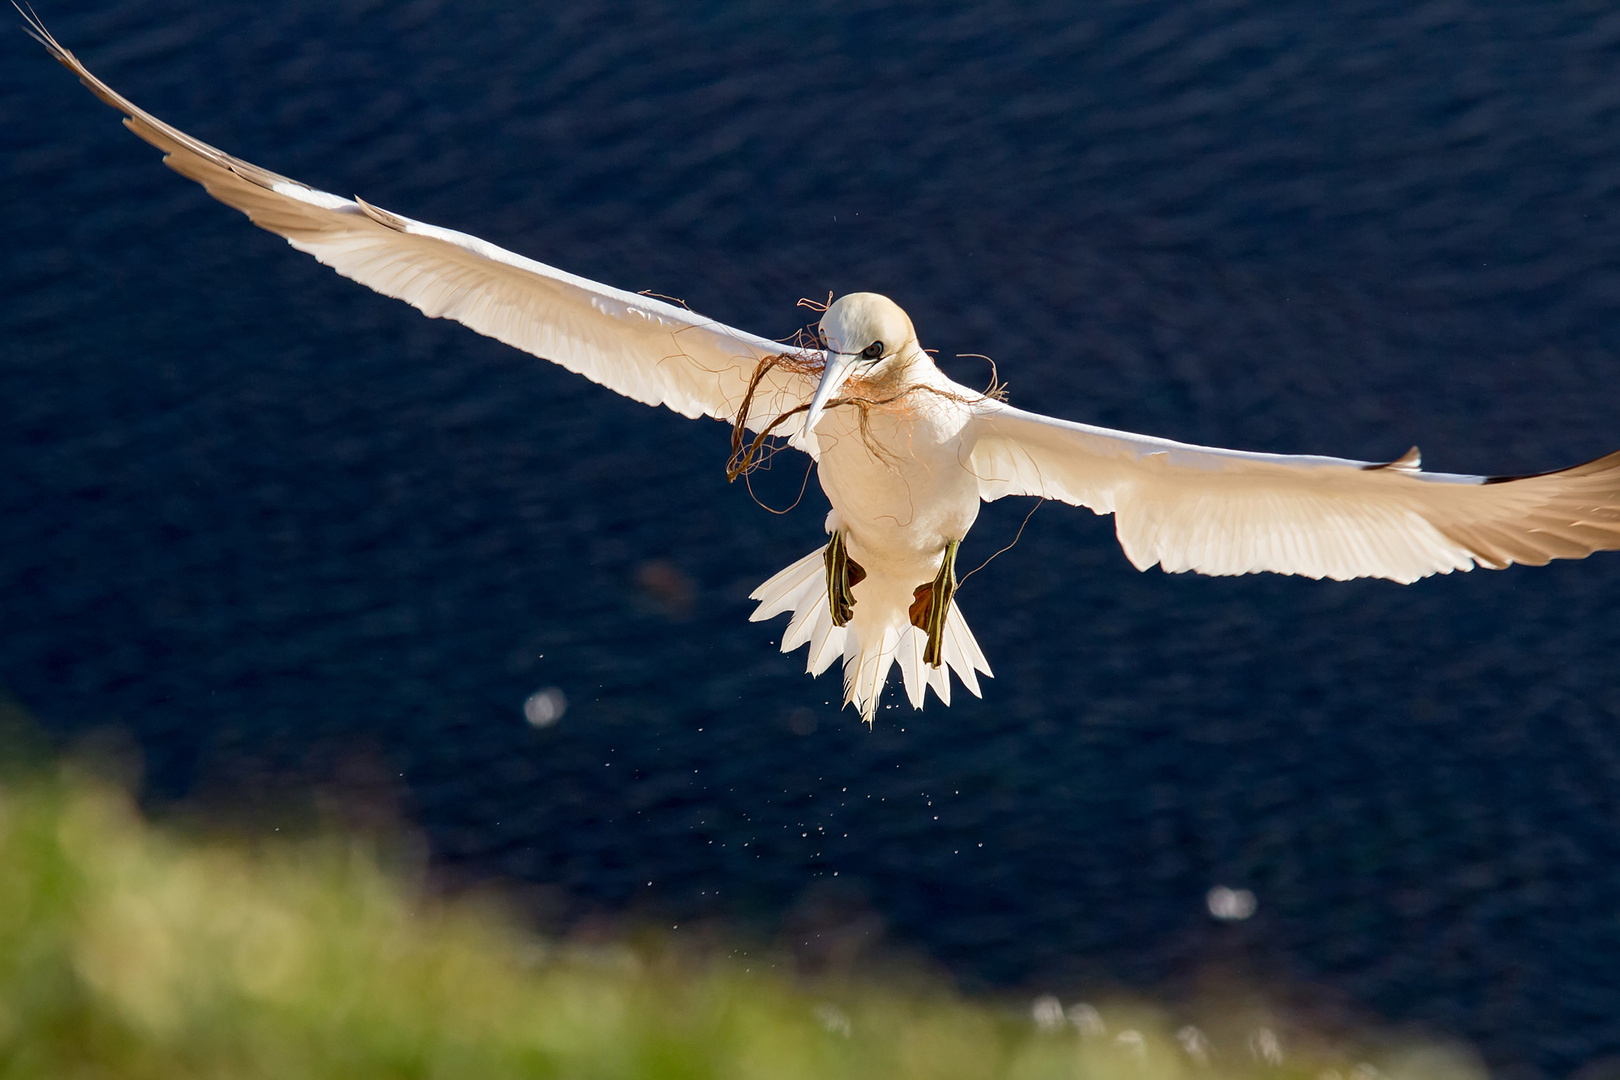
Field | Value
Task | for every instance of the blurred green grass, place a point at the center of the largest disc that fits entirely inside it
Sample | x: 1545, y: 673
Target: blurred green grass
x: 131, y: 951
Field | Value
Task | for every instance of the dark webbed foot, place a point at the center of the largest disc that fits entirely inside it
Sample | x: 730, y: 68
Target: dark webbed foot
x: 843, y: 574
x: 932, y: 602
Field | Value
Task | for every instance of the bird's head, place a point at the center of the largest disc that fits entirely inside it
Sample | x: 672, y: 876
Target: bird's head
x: 867, y: 335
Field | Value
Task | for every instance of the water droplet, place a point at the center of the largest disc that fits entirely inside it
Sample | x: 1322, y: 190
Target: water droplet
x: 545, y: 707
x: 1230, y: 905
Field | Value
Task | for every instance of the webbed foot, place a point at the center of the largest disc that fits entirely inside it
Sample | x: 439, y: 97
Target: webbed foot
x: 931, y: 602
x: 843, y: 574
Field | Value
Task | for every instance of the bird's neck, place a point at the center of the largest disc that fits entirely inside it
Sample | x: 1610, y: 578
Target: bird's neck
x: 912, y: 366
x: 906, y: 370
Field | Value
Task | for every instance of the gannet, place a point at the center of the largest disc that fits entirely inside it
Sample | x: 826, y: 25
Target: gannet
x: 904, y: 454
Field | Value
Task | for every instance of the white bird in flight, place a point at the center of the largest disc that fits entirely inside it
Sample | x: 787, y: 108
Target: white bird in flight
x: 906, y: 455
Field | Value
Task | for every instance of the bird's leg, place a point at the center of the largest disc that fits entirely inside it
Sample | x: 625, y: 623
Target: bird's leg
x: 931, y: 602
x: 843, y: 574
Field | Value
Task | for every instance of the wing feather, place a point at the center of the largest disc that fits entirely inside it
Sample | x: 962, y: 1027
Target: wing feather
x: 649, y: 350
x: 1217, y: 511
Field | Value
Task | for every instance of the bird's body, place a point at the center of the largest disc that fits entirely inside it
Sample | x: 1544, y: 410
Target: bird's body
x: 896, y: 478
x: 904, y: 454
x: 894, y: 465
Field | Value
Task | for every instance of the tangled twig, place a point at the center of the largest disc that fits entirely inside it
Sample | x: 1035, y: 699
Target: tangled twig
x: 805, y: 359
x: 1017, y: 537
x: 997, y: 390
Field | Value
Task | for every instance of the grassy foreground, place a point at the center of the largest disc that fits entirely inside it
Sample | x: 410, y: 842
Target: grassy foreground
x: 126, y: 952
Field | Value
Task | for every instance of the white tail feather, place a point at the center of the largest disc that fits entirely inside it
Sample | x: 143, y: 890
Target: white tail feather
x: 878, y: 636
x: 827, y: 646
x: 780, y: 593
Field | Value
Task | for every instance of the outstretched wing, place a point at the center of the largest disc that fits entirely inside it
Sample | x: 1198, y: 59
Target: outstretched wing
x: 655, y: 352
x: 1230, y: 512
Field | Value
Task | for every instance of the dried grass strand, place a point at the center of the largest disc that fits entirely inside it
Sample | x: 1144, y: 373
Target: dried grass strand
x: 677, y: 301
x: 997, y: 390
x: 1016, y: 537
x: 804, y: 485
x: 748, y: 455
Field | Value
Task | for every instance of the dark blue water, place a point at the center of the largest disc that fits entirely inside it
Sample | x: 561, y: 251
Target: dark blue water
x: 292, y: 536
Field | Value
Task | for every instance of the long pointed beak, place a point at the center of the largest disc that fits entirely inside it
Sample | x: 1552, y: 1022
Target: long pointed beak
x: 833, y: 376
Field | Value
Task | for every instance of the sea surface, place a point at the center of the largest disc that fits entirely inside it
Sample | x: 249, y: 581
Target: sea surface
x: 299, y: 544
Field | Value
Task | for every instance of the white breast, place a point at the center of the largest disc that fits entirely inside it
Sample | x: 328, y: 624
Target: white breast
x: 899, y: 482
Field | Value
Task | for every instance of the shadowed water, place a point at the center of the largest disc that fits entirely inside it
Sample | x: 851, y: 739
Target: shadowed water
x: 285, y: 531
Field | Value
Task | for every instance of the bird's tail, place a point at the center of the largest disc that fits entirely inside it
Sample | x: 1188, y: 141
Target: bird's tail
x: 878, y: 635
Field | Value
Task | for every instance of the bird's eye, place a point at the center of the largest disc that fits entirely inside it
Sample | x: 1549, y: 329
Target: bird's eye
x: 873, y: 351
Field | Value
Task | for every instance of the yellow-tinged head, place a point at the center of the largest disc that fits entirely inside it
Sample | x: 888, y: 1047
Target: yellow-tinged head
x: 866, y: 334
